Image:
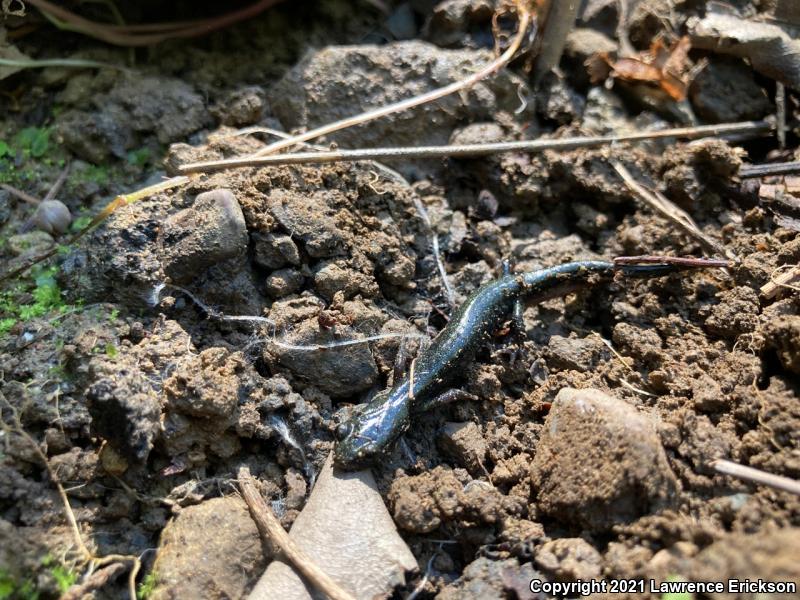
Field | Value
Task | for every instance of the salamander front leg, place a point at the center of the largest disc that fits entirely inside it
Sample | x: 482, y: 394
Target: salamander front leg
x: 447, y: 397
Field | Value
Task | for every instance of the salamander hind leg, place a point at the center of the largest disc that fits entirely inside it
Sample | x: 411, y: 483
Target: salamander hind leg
x: 452, y: 395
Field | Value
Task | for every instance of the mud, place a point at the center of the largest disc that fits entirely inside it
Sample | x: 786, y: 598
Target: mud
x: 588, y: 453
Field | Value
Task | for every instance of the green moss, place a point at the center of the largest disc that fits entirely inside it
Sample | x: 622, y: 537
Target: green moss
x: 147, y: 586
x: 139, y: 158
x: 13, y: 589
x: 35, y: 297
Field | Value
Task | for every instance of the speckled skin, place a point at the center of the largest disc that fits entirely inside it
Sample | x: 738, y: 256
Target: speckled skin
x: 374, y: 427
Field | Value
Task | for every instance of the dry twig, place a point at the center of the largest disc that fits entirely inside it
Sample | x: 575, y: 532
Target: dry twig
x: 663, y: 206
x: 770, y: 169
x: 785, y: 280
x: 473, y: 150
x: 488, y: 70
x: 271, y: 530
x: 727, y: 467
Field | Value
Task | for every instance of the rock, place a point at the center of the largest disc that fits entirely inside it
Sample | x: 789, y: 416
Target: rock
x: 208, y: 232
x: 492, y: 579
x: 244, y: 106
x: 465, y: 444
x: 284, y: 282
x: 599, y: 462
x: 479, y: 133
x: 52, y: 216
x: 125, y: 411
x: 340, y: 81
x: 165, y: 108
x: 783, y: 335
x: 569, y: 559
x: 581, y: 44
x: 557, y: 102
x: 452, y: 21
x: 340, y: 374
x: 206, y: 385
x: 211, y: 550
x: 274, y: 250
x: 580, y: 354
x: 32, y: 242
x: 725, y: 91
x: 333, y: 276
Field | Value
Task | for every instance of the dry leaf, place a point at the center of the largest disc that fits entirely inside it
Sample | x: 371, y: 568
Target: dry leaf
x: 9, y: 52
x: 665, y: 69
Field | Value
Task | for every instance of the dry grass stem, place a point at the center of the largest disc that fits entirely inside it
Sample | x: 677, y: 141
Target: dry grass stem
x: 727, y: 467
x: 488, y: 70
x: 785, y: 280
x: 667, y: 209
x: 755, y: 128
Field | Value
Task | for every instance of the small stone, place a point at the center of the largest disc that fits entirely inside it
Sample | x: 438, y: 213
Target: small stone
x: 332, y: 277
x: 599, y: 462
x: 215, y: 546
x: 726, y: 91
x: 707, y: 394
x: 112, y: 461
x: 558, y: 102
x: 125, y: 411
x: 241, y: 107
x: 32, y: 242
x: 212, y: 230
x: 52, y: 216
x: 581, y: 44
x: 569, y: 559
x: 339, y: 374
x: 284, y: 282
x: 274, y: 250
x: 579, y: 354
x: 465, y: 444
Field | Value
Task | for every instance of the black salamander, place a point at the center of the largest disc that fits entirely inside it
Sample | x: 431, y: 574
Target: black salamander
x: 373, y: 428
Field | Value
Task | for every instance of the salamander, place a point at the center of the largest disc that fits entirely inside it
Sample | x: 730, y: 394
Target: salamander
x: 373, y: 428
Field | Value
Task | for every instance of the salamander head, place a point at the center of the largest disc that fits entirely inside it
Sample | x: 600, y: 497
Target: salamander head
x: 363, y: 438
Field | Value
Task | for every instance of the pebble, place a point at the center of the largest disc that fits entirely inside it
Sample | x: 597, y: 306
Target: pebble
x: 215, y: 546
x: 599, y: 462
x: 210, y: 231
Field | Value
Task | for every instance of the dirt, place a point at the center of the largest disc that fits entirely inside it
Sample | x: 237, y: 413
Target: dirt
x: 589, y: 451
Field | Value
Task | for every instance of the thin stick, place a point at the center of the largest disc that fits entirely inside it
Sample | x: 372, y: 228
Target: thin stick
x: 271, y: 530
x: 785, y: 280
x: 473, y: 150
x: 24, y: 196
x: 784, y: 168
x: 662, y: 205
x: 727, y: 467
x: 686, y: 261
x: 490, y: 69
x: 56, y: 187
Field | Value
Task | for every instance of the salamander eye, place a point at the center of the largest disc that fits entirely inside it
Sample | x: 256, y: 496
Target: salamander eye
x: 343, y: 430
